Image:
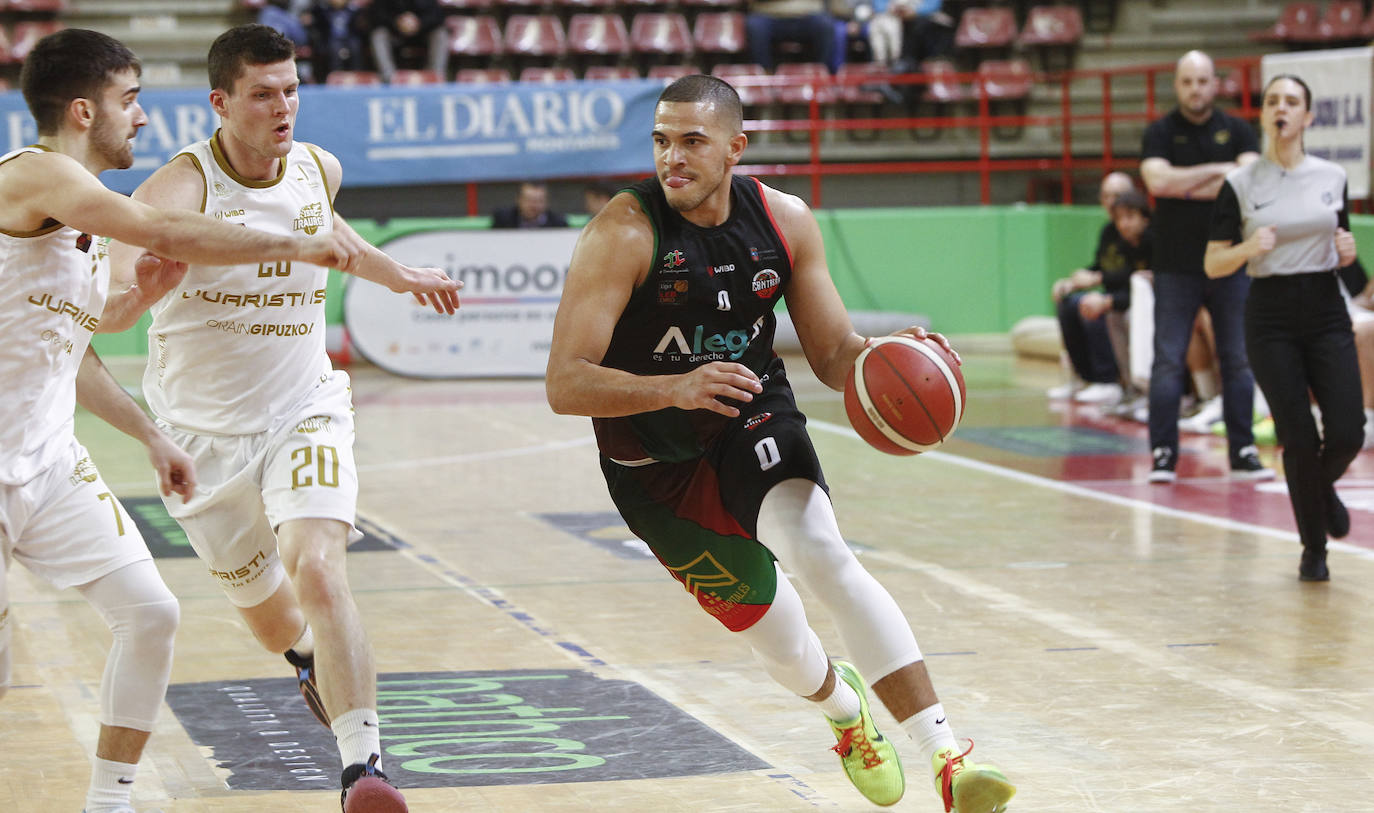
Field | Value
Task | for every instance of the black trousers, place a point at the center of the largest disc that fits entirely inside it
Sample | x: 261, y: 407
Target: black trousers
x: 1298, y: 336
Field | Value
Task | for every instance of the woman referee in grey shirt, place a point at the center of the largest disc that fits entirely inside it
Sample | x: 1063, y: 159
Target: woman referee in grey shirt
x: 1286, y: 216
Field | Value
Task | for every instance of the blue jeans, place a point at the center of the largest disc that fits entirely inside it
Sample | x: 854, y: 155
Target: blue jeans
x: 817, y: 29
x: 1087, y: 343
x: 1178, y: 296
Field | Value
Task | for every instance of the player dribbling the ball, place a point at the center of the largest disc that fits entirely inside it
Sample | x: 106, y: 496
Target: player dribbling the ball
x: 665, y: 338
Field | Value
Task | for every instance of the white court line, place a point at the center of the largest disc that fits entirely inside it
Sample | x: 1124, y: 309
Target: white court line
x: 1223, y: 523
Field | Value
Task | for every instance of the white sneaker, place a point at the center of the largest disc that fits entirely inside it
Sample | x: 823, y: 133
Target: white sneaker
x: 1200, y: 423
x: 1063, y: 391
x: 1098, y: 394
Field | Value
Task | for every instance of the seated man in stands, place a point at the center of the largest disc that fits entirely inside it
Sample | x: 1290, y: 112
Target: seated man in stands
x: 1123, y: 247
x: 531, y: 210
x: 407, y: 24
x: 336, y: 42
x: 806, y: 21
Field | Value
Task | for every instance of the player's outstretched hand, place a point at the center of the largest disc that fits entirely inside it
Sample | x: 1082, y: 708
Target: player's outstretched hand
x: 431, y: 286
x: 155, y: 275
x: 703, y: 387
x: 917, y: 332
x: 175, y: 471
x: 341, y: 249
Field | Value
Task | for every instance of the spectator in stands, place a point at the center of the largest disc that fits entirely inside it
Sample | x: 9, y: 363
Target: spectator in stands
x: 927, y: 30
x: 596, y: 195
x: 878, y: 23
x: 531, y: 210
x: 806, y: 21
x: 1361, y: 306
x: 287, y: 17
x: 336, y: 42
x: 1087, y: 298
x: 401, y: 24
x: 1186, y: 155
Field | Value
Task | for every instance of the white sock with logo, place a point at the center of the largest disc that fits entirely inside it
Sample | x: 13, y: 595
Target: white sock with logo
x: 112, y: 784
x: 358, y: 736
x: 930, y: 729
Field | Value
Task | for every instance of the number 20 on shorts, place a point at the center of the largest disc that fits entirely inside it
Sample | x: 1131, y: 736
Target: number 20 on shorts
x: 324, y: 460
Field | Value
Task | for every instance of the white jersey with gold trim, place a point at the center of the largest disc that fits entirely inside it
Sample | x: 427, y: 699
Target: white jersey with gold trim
x: 234, y: 347
x: 53, y: 283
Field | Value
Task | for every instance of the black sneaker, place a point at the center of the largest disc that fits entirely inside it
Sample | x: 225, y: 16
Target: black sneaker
x: 1313, y: 566
x: 367, y: 790
x: 309, y: 686
x: 1246, y: 465
x: 1337, y: 517
x: 1165, y: 461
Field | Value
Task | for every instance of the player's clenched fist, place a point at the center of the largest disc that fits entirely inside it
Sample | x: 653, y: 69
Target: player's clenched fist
x: 339, y: 249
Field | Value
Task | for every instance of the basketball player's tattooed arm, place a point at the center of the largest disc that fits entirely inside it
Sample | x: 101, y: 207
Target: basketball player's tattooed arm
x: 428, y: 285
x: 612, y: 259
x: 827, y: 335
x: 97, y: 390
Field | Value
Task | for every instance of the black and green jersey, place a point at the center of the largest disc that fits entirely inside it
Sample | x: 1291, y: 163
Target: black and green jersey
x: 709, y: 296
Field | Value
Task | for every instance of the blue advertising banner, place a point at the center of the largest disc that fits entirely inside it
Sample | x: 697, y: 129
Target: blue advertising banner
x: 425, y: 134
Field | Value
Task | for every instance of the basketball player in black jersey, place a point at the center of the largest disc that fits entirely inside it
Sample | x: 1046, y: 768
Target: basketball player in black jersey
x: 664, y: 337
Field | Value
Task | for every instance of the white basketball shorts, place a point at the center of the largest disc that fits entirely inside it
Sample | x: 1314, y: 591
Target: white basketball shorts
x: 66, y: 526
x: 248, y: 485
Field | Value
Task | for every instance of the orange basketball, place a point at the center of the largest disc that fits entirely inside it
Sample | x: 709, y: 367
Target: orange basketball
x: 904, y: 396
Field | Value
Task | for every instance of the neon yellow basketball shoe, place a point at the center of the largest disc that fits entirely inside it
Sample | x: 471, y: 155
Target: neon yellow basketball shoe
x: 868, y: 757
x: 966, y: 787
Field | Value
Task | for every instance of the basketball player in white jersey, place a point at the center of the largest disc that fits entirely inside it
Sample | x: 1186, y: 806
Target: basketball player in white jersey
x: 57, y: 516
x: 238, y: 375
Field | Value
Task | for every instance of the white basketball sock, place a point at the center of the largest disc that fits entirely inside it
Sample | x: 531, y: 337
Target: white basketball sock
x: 930, y: 729
x: 112, y: 785
x: 842, y: 705
x: 358, y: 735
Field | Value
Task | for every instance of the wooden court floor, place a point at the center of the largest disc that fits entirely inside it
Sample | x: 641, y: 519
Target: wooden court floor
x: 1111, y: 645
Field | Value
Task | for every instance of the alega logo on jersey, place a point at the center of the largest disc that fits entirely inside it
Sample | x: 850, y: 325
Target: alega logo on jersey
x: 310, y: 219
x: 703, y: 347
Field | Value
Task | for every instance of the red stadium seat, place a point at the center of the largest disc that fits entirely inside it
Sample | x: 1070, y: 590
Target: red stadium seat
x: 538, y: 35
x: 598, y: 35
x: 800, y: 91
x: 1342, y: 23
x: 547, y: 75
x: 749, y: 94
x: 872, y: 72
x: 48, y: 6
x: 609, y: 73
x: 587, y: 5
x: 943, y: 88
x: 719, y: 32
x: 409, y: 77
x: 1297, y: 22
x: 253, y: 5
x: 474, y: 36
x: 1008, y: 79
x: 6, y: 47
x: 669, y: 73
x: 350, y: 79
x: 1054, y: 25
x: 985, y: 28
x: 27, y: 34
x: 660, y: 34
x: 483, y: 76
